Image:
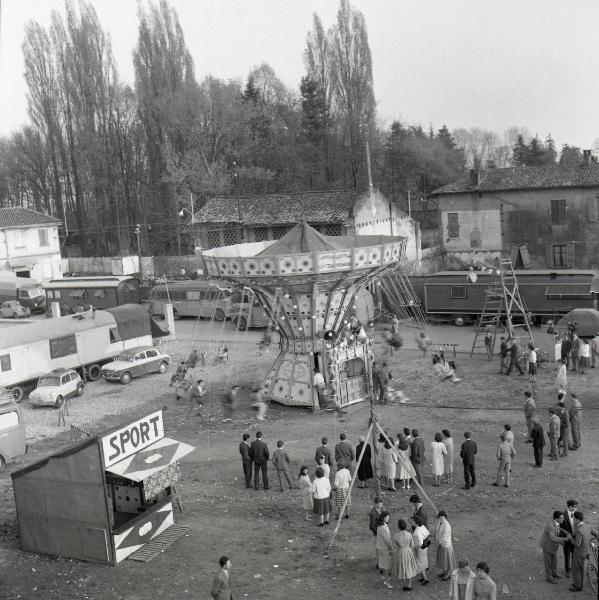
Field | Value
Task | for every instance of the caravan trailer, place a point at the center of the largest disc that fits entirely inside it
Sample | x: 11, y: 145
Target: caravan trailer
x: 546, y: 294
x: 84, y: 341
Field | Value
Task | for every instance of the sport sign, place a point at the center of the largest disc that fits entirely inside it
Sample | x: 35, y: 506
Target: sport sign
x: 128, y: 440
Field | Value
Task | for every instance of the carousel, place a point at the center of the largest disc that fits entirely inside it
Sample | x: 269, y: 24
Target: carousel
x: 308, y: 284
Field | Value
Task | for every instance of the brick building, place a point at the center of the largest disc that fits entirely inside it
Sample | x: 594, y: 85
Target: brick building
x: 543, y: 217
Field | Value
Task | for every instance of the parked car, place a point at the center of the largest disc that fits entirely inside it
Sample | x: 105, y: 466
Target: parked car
x: 13, y: 309
x: 52, y: 389
x: 135, y: 362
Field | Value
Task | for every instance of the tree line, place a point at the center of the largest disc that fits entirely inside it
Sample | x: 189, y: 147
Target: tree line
x: 114, y: 161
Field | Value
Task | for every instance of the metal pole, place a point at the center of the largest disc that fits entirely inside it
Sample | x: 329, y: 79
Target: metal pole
x: 409, y: 205
x: 191, y: 202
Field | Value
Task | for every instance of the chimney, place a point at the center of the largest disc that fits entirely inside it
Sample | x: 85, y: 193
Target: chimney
x: 474, y: 178
x: 586, y: 157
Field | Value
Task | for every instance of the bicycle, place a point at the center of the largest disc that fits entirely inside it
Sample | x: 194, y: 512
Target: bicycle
x: 543, y: 359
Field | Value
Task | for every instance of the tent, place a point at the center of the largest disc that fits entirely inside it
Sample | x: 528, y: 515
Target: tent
x: 586, y: 320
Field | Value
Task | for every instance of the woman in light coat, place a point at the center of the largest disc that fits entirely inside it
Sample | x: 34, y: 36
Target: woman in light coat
x: 384, y: 547
x: 448, y: 441
x: 445, y: 554
x: 389, y: 465
x: 462, y: 580
x: 438, y: 450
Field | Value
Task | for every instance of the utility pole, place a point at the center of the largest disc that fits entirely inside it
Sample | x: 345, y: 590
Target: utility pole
x: 137, y: 232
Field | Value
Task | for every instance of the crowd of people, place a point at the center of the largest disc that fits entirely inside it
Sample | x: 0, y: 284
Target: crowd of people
x: 400, y: 461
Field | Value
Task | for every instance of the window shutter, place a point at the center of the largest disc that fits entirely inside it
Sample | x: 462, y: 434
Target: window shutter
x: 571, y: 257
x: 549, y: 256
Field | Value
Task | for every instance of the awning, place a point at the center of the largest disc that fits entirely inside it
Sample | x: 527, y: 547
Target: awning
x: 20, y: 263
x: 568, y: 291
x: 77, y: 294
x: 152, y: 459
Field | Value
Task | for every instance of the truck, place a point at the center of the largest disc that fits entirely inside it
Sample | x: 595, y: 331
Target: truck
x: 83, y: 341
x: 26, y: 291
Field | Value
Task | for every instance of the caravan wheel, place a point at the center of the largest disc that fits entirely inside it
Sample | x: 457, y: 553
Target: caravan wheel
x: 94, y: 372
x: 18, y: 393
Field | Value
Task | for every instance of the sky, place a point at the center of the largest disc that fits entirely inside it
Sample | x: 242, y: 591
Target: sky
x: 463, y: 63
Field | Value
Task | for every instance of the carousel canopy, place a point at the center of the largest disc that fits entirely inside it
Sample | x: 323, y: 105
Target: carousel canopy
x: 302, y: 238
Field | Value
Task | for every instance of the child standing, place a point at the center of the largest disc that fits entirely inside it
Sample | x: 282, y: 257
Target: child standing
x: 280, y: 460
x: 321, y: 492
x: 305, y: 486
x: 342, y: 481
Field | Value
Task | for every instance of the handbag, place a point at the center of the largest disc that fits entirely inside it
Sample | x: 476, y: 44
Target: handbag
x: 426, y: 543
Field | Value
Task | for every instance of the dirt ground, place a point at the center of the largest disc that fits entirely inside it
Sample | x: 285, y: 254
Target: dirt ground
x: 277, y: 554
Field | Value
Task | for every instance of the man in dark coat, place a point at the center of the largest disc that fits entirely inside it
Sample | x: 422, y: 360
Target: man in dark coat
x: 468, y: 453
x: 565, y: 349
x: 582, y: 549
x: 325, y: 451
x: 260, y: 455
x: 246, y: 459
x: 344, y: 453
x: 568, y: 525
x: 221, y: 586
x: 417, y: 454
x: 538, y: 441
x: 553, y: 536
x: 365, y: 469
x: 564, y: 425
x: 514, y: 356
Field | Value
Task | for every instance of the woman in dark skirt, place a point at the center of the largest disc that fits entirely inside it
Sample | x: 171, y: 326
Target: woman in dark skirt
x: 365, y: 468
x: 321, y: 493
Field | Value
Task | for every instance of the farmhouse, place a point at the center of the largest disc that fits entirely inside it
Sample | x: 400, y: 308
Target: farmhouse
x: 543, y: 217
x: 29, y: 245
x: 228, y: 221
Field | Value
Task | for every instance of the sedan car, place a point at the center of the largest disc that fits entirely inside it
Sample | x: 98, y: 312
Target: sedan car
x: 135, y: 362
x: 52, y: 389
x: 12, y: 309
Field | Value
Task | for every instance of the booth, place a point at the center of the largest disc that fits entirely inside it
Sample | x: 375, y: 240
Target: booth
x: 103, y: 498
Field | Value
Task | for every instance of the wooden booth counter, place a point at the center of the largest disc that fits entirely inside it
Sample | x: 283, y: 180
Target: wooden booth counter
x: 103, y: 498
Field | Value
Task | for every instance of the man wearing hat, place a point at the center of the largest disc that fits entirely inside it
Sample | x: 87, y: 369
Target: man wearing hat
x: 503, y: 349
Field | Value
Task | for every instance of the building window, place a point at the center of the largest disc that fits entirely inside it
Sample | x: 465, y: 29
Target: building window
x: 593, y: 209
x: 453, y: 225
x: 333, y: 229
x: 43, y: 237
x: 558, y: 212
x: 278, y: 232
x: 63, y: 346
x: 229, y: 237
x: 5, y: 362
x: 213, y: 239
x: 458, y: 291
x: 261, y: 234
x: 560, y: 255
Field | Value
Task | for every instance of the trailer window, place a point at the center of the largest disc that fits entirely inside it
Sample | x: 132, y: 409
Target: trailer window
x: 458, y: 291
x: 78, y: 294
x: 63, y: 346
x: 99, y: 294
x: 193, y: 295
x: 568, y: 291
x: 114, y: 335
x: 5, y: 362
x: 9, y: 419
